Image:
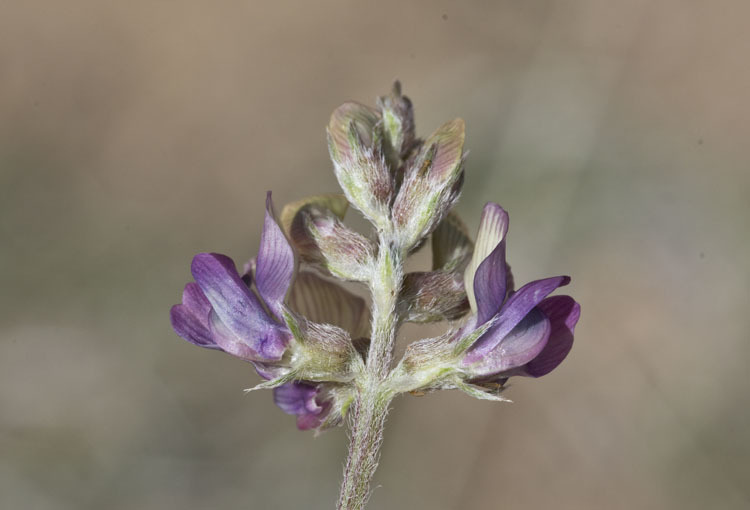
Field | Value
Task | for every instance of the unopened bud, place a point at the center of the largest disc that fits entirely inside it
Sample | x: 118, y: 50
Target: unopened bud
x: 355, y: 144
x: 343, y: 252
x: 322, y: 352
x: 431, y: 185
x: 293, y: 221
x: 398, y: 125
x: 433, y: 296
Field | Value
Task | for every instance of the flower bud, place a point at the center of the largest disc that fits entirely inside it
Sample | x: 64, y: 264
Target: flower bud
x: 293, y: 221
x: 341, y: 251
x: 323, y: 352
x: 431, y: 185
x: 433, y: 296
x: 318, y: 406
x: 398, y: 126
x: 306, y: 401
x: 355, y: 145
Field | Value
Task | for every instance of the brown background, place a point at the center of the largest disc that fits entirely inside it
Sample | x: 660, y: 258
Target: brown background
x: 135, y: 134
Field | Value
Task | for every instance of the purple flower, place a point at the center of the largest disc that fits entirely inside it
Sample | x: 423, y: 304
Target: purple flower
x: 221, y: 311
x: 308, y: 402
x: 256, y: 316
x: 527, y: 333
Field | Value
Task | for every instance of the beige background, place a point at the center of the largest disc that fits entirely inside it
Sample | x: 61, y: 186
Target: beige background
x: 135, y: 134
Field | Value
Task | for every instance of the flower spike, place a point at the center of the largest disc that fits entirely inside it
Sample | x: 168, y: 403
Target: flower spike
x: 328, y: 353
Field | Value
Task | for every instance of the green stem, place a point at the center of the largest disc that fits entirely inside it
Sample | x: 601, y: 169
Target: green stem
x: 370, y: 408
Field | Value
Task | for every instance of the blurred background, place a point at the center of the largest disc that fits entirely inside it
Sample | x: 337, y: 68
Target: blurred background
x: 135, y: 134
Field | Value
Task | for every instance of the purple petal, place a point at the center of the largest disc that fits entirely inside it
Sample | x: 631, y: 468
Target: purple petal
x: 296, y: 398
x: 193, y: 298
x: 268, y: 371
x: 190, y: 319
x: 489, y: 284
x: 240, y: 315
x: 563, y: 313
x: 275, y: 268
x: 269, y: 345
x: 521, y: 345
x: 313, y: 421
x: 485, y: 276
x: 513, y: 312
x: 191, y: 327
x: 228, y: 341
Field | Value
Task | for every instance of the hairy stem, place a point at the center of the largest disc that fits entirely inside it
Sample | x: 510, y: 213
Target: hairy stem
x: 370, y: 408
x: 367, y: 420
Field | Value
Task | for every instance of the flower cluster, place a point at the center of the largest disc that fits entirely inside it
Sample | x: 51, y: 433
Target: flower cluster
x: 310, y: 338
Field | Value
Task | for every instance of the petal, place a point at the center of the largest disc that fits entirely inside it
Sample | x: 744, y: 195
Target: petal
x: 296, y: 398
x: 521, y: 345
x: 275, y: 269
x: 363, y: 118
x: 448, y: 141
x: 191, y: 327
x: 563, y: 313
x: 323, y: 301
x: 195, y: 300
x: 513, y: 312
x: 451, y: 245
x: 485, y: 277
x: 233, y: 303
x: 264, y: 346
x: 311, y: 421
x: 268, y: 371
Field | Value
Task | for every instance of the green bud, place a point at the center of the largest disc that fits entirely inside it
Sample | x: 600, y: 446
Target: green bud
x: 355, y: 142
x: 431, y: 185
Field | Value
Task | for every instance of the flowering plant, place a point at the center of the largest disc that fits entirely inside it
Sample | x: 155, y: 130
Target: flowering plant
x: 328, y: 356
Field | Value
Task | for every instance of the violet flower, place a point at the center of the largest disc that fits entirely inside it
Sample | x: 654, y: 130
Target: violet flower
x: 527, y: 333
x: 307, y: 401
x: 220, y: 311
x: 290, y: 329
